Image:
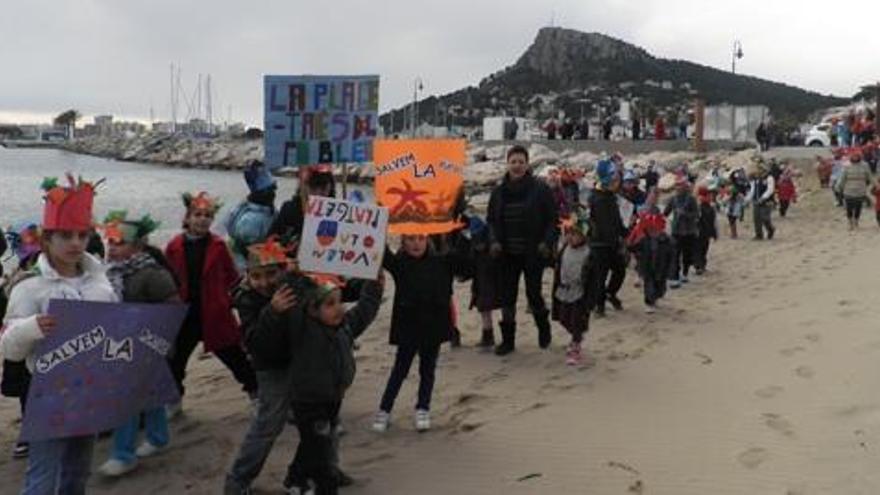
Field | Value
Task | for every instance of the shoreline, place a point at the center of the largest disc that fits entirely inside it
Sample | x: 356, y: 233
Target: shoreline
x: 485, y: 162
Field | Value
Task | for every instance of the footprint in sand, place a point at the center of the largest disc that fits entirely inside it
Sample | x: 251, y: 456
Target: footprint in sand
x: 704, y: 359
x: 805, y: 372
x: 778, y: 423
x: 753, y: 457
x: 791, y: 351
x: 857, y: 410
x: 534, y: 407
x: 769, y: 391
x: 813, y: 337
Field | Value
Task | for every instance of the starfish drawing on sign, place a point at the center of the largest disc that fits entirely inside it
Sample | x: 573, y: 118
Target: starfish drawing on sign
x: 408, y: 196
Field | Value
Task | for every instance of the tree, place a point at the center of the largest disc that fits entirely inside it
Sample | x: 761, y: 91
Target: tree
x: 67, y: 120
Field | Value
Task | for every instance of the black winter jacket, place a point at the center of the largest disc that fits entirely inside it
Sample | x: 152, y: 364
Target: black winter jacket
x: 422, y: 294
x: 543, y: 219
x: 606, y: 226
x: 321, y: 358
x: 656, y: 257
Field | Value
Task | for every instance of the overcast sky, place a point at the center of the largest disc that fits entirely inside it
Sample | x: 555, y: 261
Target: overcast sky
x: 113, y: 56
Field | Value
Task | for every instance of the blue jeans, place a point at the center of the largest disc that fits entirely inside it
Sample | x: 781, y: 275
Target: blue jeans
x: 59, y: 466
x: 125, y: 436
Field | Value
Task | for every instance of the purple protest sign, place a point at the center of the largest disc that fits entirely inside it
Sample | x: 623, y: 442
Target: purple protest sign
x: 104, y: 363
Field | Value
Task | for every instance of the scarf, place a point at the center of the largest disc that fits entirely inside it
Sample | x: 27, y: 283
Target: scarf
x: 119, y: 272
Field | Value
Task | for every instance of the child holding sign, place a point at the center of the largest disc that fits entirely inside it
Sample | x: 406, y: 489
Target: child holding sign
x: 319, y: 335
x: 204, y: 268
x: 420, y: 320
x: 138, y: 274
x: 63, y: 271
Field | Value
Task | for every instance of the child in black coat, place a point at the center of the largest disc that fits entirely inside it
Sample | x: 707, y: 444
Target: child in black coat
x: 261, y: 297
x: 708, y: 229
x: 487, y: 280
x: 420, y: 320
x: 656, y: 254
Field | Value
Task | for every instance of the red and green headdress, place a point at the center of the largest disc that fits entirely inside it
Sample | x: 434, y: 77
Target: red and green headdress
x: 575, y: 222
x: 68, y: 207
x: 119, y: 229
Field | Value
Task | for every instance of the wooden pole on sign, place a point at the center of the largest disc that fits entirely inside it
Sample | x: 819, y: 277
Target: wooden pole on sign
x: 304, y: 186
x: 345, y: 181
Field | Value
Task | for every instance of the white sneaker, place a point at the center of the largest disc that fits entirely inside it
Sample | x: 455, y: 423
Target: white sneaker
x: 382, y: 422
x: 650, y: 309
x: 423, y: 420
x: 147, y: 449
x: 173, y: 410
x: 115, y: 468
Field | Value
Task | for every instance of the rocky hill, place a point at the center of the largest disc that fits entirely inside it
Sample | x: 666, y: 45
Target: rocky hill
x: 590, y: 74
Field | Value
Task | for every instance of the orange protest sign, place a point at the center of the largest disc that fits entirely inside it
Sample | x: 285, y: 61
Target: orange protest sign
x: 420, y: 182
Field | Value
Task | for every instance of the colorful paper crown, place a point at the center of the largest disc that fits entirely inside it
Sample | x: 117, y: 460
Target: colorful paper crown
x: 258, y: 176
x: 68, y: 207
x: 321, y: 285
x: 575, y: 222
x: 201, y: 201
x: 267, y: 253
x: 119, y: 229
x: 24, y: 239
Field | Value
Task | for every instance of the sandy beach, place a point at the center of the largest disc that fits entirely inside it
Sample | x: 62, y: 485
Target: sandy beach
x: 756, y: 378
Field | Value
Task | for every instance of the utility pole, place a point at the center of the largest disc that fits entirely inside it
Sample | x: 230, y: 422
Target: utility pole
x: 737, y: 54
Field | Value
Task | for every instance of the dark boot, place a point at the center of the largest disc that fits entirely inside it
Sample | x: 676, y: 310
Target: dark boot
x: 615, y: 302
x: 455, y: 338
x: 488, y: 339
x: 508, y: 339
x: 542, y: 321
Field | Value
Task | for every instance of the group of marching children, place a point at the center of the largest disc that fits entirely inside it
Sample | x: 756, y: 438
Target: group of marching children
x: 287, y: 337
x: 300, y: 370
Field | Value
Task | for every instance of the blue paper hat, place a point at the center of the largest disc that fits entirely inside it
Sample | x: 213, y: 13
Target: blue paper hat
x: 605, y: 171
x: 258, y: 176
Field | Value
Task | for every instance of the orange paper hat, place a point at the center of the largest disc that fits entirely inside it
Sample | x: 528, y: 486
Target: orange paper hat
x: 201, y: 201
x: 68, y: 207
x: 267, y: 253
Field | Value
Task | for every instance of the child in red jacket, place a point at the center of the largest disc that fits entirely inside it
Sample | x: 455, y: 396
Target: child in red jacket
x: 787, y: 191
x: 206, y: 273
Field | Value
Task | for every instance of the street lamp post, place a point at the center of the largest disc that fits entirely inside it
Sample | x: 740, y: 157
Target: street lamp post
x: 737, y: 54
x: 417, y: 86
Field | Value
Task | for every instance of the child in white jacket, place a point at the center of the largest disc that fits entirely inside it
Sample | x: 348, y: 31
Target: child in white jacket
x: 63, y: 271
